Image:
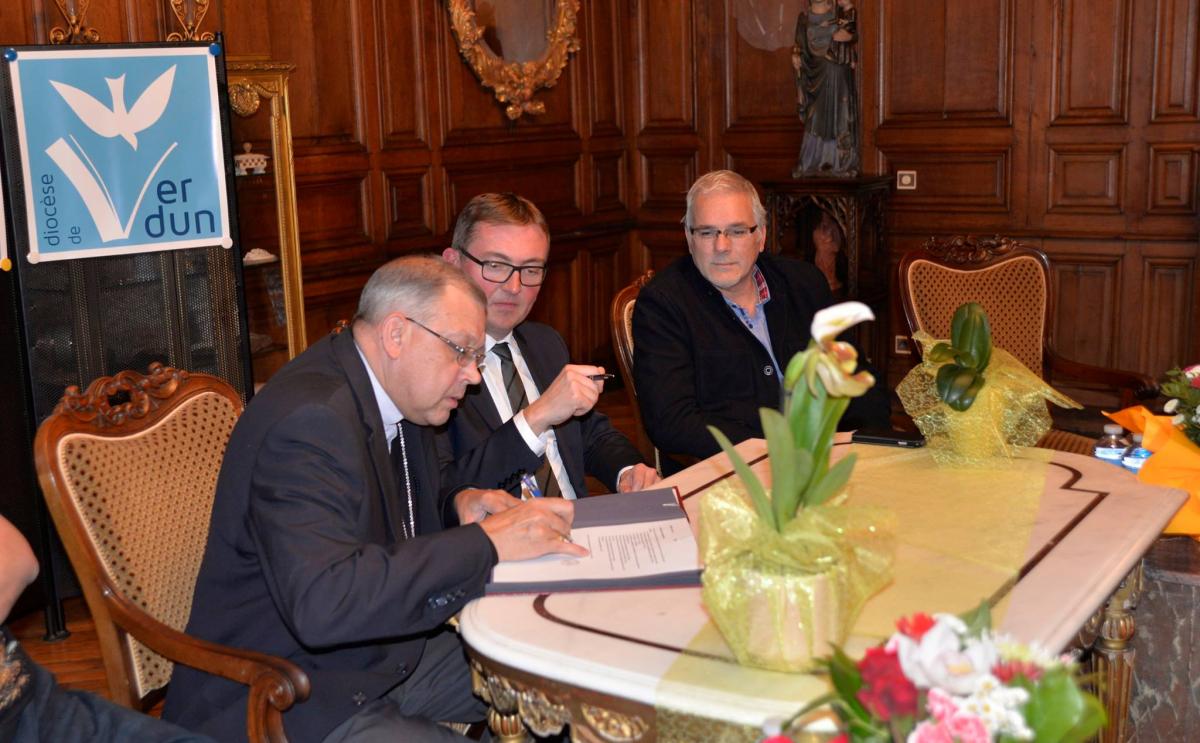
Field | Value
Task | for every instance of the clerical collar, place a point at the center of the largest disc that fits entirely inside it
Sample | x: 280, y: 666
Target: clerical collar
x: 388, y: 411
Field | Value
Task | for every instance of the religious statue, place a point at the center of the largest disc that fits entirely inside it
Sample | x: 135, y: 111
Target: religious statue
x: 825, y: 56
x: 827, y: 243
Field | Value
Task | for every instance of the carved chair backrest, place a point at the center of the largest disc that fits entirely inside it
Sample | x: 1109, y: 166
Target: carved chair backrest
x: 622, y: 335
x: 1010, y: 281
x: 129, y: 471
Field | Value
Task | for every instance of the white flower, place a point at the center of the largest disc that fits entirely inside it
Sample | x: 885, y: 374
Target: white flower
x: 1171, y: 406
x: 941, y: 659
x: 1179, y: 420
x: 999, y: 707
x: 831, y: 321
x: 1010, y: 649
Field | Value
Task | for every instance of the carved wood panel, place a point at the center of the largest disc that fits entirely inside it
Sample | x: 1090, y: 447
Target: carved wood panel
x: 1086, y: 290
x: 1087, y: 178
x: 1169, y: 282
x: 1177, y: 61
x: 666, y: 54
x: 1091, y: 69
x: 1172, y: 186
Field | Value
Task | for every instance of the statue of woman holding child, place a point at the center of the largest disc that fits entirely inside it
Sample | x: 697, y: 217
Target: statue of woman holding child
x: 826, y: 61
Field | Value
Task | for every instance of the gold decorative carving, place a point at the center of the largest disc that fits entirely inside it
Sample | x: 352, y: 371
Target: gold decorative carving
x: 612, y: 726
x: 541, y: 715
x: 514, y: 83
x: 963, y: 250
x: 190, y: 14
x: 77, y: 30
x: 1112, y: 656
x: 110, y: 401
x: 250, y: 81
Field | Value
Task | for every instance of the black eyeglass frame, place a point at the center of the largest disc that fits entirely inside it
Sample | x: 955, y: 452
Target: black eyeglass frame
x: 750, y: 230
x: 465, y: 354
x: 511, y: 268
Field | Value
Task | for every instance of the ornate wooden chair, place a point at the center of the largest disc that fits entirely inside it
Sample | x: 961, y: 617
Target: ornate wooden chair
x: 129, y: 471
x: 622, y: 334
x: 1012, y: 282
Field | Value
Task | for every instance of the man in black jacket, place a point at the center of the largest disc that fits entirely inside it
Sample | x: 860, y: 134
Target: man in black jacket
x: 713, y: 332
x: 534, y: 412
x: 332, y: 542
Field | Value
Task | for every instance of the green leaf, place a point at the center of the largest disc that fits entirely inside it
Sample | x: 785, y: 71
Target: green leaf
x: 762, y: 504
x: 831, y: 483
x: 785, y: 490
x: 805, y: 418
x: 1058, y: 710
x: 785, y: 510
x: 978, y: 619
x: 945, y: 377
x: 941, y: 352
x: 844, y: 674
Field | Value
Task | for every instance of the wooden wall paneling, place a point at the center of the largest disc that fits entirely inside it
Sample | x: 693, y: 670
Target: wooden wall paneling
x: 333, y: 212
x: 409, y: 203
x: 551, y: 180
x: 961, y: 179
x: 1167, y: 337
x: 402, y: 74
x: 666, y: 176
x: 948, y: 63
x: 1172, y: 179
x: 1091, y: 61
x: 1086, y: 282
x: 610, y: 184
x: 1087, y: 178
x: 601, y: 25
x: 247, y: 28
x: 661, y: 246
x: 759, y: 80
x: 1176, y: 61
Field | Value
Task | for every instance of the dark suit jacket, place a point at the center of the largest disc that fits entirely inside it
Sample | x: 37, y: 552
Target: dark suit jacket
x: 695, y: 363
x: 306, y: 558
x: 478, y: 449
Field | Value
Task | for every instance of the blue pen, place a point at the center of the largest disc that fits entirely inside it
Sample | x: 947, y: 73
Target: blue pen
x: 529, y: 485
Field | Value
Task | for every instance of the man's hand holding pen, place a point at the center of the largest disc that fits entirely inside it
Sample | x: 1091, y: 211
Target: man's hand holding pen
x: 573, y: 392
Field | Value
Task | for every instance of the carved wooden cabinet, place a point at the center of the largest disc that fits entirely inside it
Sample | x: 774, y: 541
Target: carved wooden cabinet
x: 840, y: 225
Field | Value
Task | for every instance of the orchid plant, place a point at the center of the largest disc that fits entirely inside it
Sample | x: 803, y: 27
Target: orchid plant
x: 946, y: 678
x: 1183, y: 389
x: 817, y: 387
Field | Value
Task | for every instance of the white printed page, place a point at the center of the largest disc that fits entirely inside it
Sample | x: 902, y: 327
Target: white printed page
x: 615, y: 553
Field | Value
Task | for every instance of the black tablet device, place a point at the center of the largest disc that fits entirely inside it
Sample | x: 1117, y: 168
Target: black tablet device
x: 888, y: 437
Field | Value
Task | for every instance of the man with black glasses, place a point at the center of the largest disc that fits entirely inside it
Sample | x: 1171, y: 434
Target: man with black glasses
x: 533, y: 414
x: 714, y: 331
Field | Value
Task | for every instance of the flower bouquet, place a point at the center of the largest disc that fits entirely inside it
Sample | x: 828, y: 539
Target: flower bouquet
x: 1175, y: 443
x: 974, y: 402
x: 943, y: 679
x: 788, y: 569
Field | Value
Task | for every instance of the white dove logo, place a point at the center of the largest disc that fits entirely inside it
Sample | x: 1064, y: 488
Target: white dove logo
x: 119, y: 121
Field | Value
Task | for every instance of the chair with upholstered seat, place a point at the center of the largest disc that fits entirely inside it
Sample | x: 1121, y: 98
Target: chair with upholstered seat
x: 129, y: 471
x: 622, y: 334
x: 1012, y: 283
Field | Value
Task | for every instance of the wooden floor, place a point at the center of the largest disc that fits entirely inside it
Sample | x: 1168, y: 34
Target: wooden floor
x: 75, y: 660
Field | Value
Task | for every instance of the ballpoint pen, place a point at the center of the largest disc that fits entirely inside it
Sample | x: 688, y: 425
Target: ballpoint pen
x: 529, y: 488
x: 601, y: 377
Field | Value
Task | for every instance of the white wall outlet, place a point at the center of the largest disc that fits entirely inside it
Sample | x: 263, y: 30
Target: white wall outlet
x: 902, y: 345
x: 906, y: 180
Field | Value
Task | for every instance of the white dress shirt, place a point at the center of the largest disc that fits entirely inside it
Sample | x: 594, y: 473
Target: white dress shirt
x: 544, y: 445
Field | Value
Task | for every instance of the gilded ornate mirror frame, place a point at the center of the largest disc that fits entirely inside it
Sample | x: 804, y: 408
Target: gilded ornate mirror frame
x: 515, y: 82
x: 249, y: 82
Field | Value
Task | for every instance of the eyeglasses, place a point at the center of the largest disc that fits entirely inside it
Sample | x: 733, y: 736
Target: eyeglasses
x: 464, y: 355
x: 734, y: 232
x: 499, y: 272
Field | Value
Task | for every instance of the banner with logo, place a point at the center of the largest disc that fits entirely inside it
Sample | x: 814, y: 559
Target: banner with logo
x: 121, y: 150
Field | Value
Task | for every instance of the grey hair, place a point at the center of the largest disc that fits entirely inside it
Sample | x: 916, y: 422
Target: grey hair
x: 412, y: 284
x: 497, y: 209
x: 724, y: 181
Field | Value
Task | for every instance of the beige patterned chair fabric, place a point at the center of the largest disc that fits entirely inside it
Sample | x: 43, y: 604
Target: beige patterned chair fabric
x: 129, y: 469
x: 146, y: 499
x: 1013, y: 293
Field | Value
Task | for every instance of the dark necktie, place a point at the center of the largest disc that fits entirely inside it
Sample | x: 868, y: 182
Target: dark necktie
x: 544, y: 476
x: 410, y: 486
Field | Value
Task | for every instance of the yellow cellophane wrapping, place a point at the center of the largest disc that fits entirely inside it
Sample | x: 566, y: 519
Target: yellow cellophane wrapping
x: 778, y: 598
x: 1009, y: 412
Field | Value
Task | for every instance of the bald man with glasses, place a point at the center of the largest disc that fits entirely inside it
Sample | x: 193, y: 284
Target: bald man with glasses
x: 534, y: 412
x: 713, y: 332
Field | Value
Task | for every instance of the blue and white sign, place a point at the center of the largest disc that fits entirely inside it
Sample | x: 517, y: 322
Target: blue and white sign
x: 121, y: 151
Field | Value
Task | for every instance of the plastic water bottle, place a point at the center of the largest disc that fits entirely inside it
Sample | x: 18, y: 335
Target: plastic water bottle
x: 1112, y: 445
x: 1136, y: 455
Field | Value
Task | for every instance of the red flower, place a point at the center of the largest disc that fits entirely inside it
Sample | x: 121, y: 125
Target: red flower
x: 915, y: 626
x: 841, y: 738
x: 778, y: 739
x: 886, y: 691
x: 1008, y: 670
